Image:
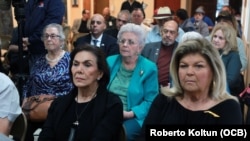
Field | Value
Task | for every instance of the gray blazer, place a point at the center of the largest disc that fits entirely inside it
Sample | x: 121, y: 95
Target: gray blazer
x: 151, y: 50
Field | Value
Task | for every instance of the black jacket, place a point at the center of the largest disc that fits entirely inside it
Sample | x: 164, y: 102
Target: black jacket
x: 101, y: 121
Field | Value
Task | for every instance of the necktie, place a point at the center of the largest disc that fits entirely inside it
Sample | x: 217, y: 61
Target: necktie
x: 95, y: 42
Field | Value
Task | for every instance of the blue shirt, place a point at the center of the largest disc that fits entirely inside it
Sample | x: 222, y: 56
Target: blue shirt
x: 154, y: 35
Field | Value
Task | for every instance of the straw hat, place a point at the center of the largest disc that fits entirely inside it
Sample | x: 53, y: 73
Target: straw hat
x: 162, y: 13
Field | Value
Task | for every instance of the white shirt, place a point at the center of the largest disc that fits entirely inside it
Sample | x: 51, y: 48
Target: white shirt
x: 99, y: 39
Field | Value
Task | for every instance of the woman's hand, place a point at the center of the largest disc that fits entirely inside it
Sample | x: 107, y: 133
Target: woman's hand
x: 128, y: 115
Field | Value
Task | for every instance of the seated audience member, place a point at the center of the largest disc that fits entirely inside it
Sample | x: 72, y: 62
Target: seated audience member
x: 51, y: 72
x: 137, y: 17
x: 200, y: 26
x: 161, y: 52
x: 98, y: 38
x: 130, y: 5
x: 226, y: 17
x: 161, y: 15
x: 110, y: 20
x: 198, y: 96
x: 205, y: 18
x: 190, y: 36
x: 133, y: 78
x: 9, y: 103
x: 184, y: 21
x: 195, y: 35
x: 223, y: 38
x: 90, y: 111
x: 80, y: 26
x: 236, y: 22
x: 123, y: 17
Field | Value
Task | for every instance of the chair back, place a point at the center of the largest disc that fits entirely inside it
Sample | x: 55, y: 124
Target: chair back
x: 19, y: 128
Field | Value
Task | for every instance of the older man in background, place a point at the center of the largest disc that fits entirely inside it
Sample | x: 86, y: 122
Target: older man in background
x: 161, y: 52
x: 161, y: 15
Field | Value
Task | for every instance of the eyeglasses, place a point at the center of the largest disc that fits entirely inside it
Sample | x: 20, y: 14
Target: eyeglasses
x: 97, y: 22
x: 129, y: 42
x: 52, y: 36
x: 123, y: 21
x: 165, y: 31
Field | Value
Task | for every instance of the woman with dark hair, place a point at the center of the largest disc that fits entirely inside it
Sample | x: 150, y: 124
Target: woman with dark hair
x: 90, y: 111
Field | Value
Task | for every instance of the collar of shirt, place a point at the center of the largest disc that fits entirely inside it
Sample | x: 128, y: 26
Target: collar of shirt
x: 99, y: 39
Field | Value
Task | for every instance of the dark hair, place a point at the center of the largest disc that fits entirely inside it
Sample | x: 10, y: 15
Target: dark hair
x: 182, y: 14
x: 84, y: 11
x: 101, y: 62
x: 224, y: 15
x: 141, y: 9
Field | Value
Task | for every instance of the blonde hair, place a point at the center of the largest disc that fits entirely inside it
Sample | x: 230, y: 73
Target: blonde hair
x: 217, y: 90
x: 229, y: 34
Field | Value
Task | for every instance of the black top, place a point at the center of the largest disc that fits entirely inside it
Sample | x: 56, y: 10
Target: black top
x: 83, y: 27
x: 111, y: 22
x: 101, y: 120
x: 126, y: 5
x: 166, y: 111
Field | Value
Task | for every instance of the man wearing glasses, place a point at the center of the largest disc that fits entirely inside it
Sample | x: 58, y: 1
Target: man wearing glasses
x: 161, y: 15
x: 161, y: 52
x: 98, y: 38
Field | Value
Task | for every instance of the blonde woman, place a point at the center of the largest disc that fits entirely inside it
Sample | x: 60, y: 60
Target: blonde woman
x: 198, y: 96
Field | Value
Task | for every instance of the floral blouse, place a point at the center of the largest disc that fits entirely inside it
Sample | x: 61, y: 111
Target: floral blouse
x: 45, y: 79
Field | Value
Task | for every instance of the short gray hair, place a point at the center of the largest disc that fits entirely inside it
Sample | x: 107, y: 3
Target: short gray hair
x: 59, y: 29
x: 190, y: 35
x: 133, y: 28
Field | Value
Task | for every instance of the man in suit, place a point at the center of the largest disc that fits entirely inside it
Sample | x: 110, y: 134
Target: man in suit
x: 97, y: 38
x: 161, y: 52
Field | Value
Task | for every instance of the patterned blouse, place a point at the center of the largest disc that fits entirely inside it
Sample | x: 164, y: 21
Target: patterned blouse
x: 49, y: 80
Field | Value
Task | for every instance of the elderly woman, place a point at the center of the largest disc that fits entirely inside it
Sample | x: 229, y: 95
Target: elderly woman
x: 133, y: 78
x: 90, y: 112
x: 199, y: 95
x: 50, y: 73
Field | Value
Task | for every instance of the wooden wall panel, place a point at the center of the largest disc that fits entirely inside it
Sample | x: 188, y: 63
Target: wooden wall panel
x: 172, y: 4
